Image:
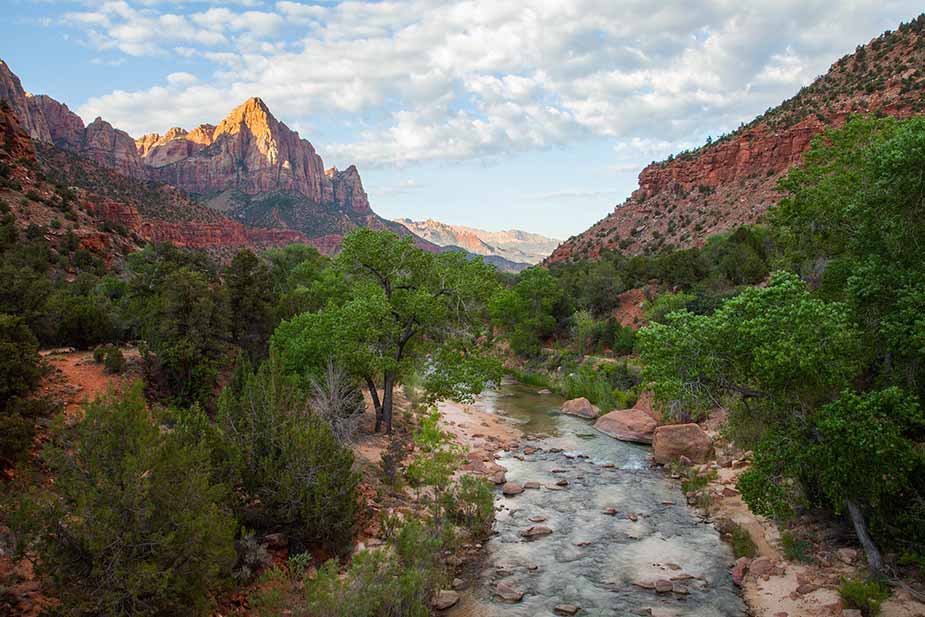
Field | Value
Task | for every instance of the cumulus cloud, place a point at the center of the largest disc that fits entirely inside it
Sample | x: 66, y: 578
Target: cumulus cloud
x: 422, y: 80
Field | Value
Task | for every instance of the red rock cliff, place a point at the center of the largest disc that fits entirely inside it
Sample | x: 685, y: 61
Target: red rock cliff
x: 682, y: 201
x: 250, y: 151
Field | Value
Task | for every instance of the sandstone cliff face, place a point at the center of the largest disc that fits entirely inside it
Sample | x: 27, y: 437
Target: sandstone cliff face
x: 348, y: 190
x: 682, y: 201
x: 65, y: 128
x: 249, y: 151
x: 112, y: 148
x: 12, y: 92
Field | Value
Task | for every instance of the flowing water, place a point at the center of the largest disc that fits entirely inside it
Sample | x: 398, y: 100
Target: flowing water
x: 593, y: 559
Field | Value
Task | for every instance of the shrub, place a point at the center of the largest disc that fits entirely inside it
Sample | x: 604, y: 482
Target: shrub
x: 471, y: 504
x: 382, y: 583
x: 146, y: 533
x: 287, y: 457
x: 866, y: 596
x: 20, y: 372
x: 115, y: 361
x: 99, y: 353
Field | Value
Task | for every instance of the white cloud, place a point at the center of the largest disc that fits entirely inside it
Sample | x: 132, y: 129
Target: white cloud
x: 463, y: 79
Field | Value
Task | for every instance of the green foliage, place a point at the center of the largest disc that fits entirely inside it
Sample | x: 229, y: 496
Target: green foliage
x: 795, y: 548
x: 526, y: 310
x: 250, y: 303
x: 186, y: 334
x: 663, y: 304
x: 471, y: 505
x: 868, y: 451
x: 285, y: 456
x: 79, y: 320
x: 866, y: 596
x: 396, y: 583
x: 115, y: 360
x: 607, y: 385
x: 395, y: 306
x: 742, y: 543
x: 437, y: 457
x: 851, y: 214
x: 146, y: 532
x: 776, y: 347
x: 584, y: 329
x: 20, y: 372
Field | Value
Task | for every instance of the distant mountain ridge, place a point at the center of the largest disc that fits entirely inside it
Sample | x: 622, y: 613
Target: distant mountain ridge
x: 732, y: 181
x: 250, y: 168
x: 512, y: 245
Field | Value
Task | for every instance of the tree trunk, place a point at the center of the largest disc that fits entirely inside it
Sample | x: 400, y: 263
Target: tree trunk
x: 874, y: 561
x: 374, y: 394
x: 387, y: 388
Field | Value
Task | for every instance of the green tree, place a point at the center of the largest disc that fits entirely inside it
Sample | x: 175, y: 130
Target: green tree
x: 251, y: 303
x: 784, y: 362
x: 852, y: 223
x: 146, y: 532
x: 285, y: 457
x: 399, y: 307
x: 20, y: 372
x: 187, y: 333
x: 526, y: 310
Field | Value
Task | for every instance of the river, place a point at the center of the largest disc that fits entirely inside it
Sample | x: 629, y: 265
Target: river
x: 618, y: 526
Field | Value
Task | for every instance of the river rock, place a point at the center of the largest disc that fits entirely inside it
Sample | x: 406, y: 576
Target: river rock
x: 580, y: 407
x: 530, y: 450
x: 675, y: 440
x: 512, y: 488
x: 535, y: 531
x: 508, y: 592
x: 627, y: 425
x: 544, y: 391
x: 444, y: 599
x: 499, y: 477
x: 562, y: 482
x: 531, y: 485
x: 663, y: 586
x: 566, y: 609
x: 537, y: 519
x: 740, y: 569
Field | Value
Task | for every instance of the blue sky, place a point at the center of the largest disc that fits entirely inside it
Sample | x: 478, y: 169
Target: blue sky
x: 535, y: 114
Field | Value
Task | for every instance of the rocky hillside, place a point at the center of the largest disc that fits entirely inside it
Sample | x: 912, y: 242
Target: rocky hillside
x: 732, y: 181
x: 71, y: 199
x: 250, y: 169
x: 513, y: 244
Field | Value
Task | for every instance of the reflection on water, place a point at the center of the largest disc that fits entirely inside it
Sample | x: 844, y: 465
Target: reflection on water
x: 597, y: 553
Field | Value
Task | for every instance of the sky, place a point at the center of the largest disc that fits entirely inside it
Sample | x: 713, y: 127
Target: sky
x: 536, y: 115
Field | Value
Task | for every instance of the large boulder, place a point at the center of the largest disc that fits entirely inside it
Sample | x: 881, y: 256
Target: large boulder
x: 673, y: 441
x: 580, y: 407
x: 628, y: 425
x: 646, y: 403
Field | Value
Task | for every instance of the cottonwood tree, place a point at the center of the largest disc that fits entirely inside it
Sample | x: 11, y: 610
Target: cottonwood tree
x: 784, y: 362
x: 397, y: 309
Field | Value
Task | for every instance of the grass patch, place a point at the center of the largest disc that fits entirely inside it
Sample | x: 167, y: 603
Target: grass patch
x: 796, y: 549
x: 866, y: 596
x: 742, y: 543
